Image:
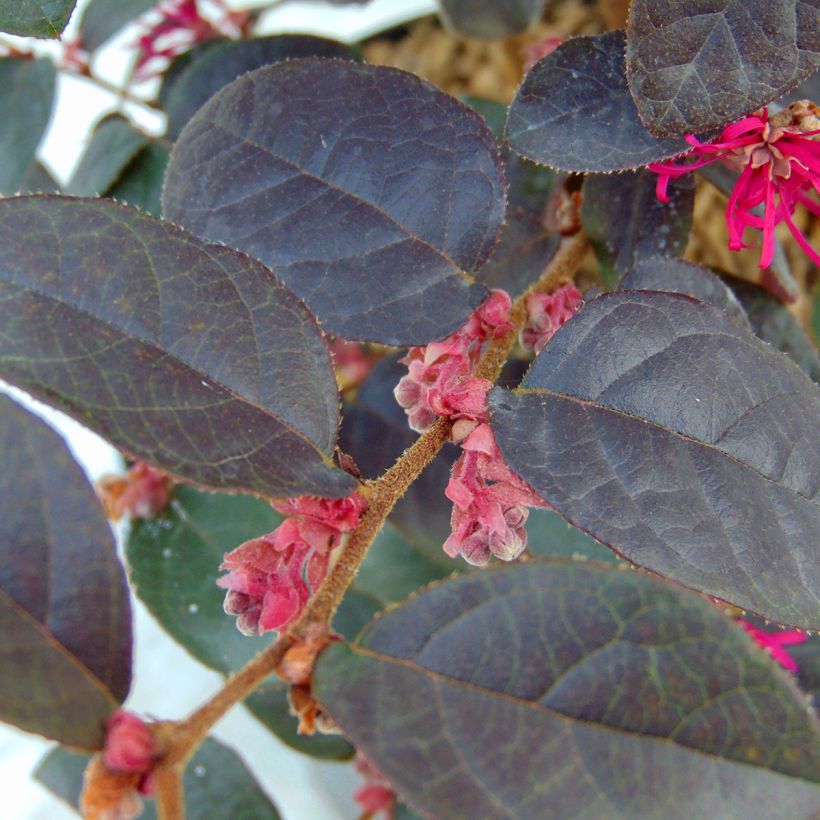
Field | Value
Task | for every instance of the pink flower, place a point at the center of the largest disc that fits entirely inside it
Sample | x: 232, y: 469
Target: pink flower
x: 129, y: 744
x: 779, y: 163
x: 773, y: 643
x: 142, y: 492
x: 181, y: 26
x: 489, y: 503
x: 270, y: 579
x: 351, y: 363
x: 546, y: 313
x: 533, y: 52
x: 376, y: 795
x: 434, y: 385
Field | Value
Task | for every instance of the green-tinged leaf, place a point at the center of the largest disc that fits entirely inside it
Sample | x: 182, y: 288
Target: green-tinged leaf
x: 217, y: 784
x: 570, y: 690
x: 574, y: 112
x: 27, y: 96
x: 549, y: 536
x: 626, y: 221
x: 772, y: 321
x: 35, y: 18
x: 38, y: 180
x: 372, y: 193
x: 375, y: 432
x: 174, y: 563
x: 677, y: 276
x: 490, y: 19
x: 521, y: 255
x: 65, y: 618
x: 213, y: 68
x: 140, y: 183
x: 695, y: 65
x: 102, y: 19
x: 690, y: 448
x: 492, y: 112
x: 114, y: 143
x: 190, y: 356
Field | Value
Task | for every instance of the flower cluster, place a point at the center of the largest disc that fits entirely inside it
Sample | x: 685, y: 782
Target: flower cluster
x: 437, y: 371
x: 773, y: 643
x: 142, y: 492
x: 181, y: 26
x: 546, y: 312
x: 490, y: 502
x: 778, y: 159
x: 270, y: 579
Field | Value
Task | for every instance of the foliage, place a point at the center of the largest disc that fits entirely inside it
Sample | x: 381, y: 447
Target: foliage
x: 252, y: 305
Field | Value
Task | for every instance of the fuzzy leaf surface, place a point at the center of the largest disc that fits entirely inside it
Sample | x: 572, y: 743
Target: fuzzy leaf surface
x: 570, y: 666
x: 162, y: 344
x: 371, y: 193
x: 35, y: 18
x: 174, y: 563
x: 26, y: 97
x: 490, y: 19
x: 574, y: 112
x: 213, y: 68
x: 114, y: 143
x: 700, y: 64
x: 679, y: 276
x: 625, y: 221
x: 217, y: 784
x: 65, y: 617
x: 690, y: 448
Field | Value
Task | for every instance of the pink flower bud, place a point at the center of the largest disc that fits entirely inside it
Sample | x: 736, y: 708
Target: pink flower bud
x: 129, y: 744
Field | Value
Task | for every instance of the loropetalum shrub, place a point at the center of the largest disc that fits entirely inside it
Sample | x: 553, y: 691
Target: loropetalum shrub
x: 326, y: 227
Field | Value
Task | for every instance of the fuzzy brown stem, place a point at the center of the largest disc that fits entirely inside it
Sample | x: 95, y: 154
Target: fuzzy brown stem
x: 382, y: 494
x: 170, y: 796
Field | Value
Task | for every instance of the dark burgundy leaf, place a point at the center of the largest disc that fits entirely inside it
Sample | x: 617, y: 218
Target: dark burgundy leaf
x: 574, y: 112
x: 35, y: 18
x: 591, y: 691
x: 626, y: 221
x: 217, y: 784
x: 490, y: 19
x: 114, y: 143
x: 65, y: 618
x: 695, y: 65
x: 372, y: 193
x: 772, y: 321
x: 102, y: 19
x: 190, y: 356
x: 523, y: 253
x: 677, y: 438
x: 215, y: 67
x: 26, y: 97
x: 678, y: 276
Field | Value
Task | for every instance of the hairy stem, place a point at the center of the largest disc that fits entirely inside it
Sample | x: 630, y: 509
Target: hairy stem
x: 123, y: 94
x: 382, y: 494
x: 170, y: 796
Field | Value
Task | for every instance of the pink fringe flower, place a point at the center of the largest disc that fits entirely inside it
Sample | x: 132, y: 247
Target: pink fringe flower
x: 489, y: 503
x: 773, y: 643
x: 778, y: 159
x: 376, y: 795
x: 129, y: 744
x: 436, y: 370
x: 180, y: 27
x: 143, y: 492
x: 270, y: 579
x: 546, y: 313
x: 351, y: 363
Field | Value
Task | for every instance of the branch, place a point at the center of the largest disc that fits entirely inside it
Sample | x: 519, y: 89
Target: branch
x: 382, y: 494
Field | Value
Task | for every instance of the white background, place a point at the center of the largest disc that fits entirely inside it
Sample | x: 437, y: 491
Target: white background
x: 168, y: 683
